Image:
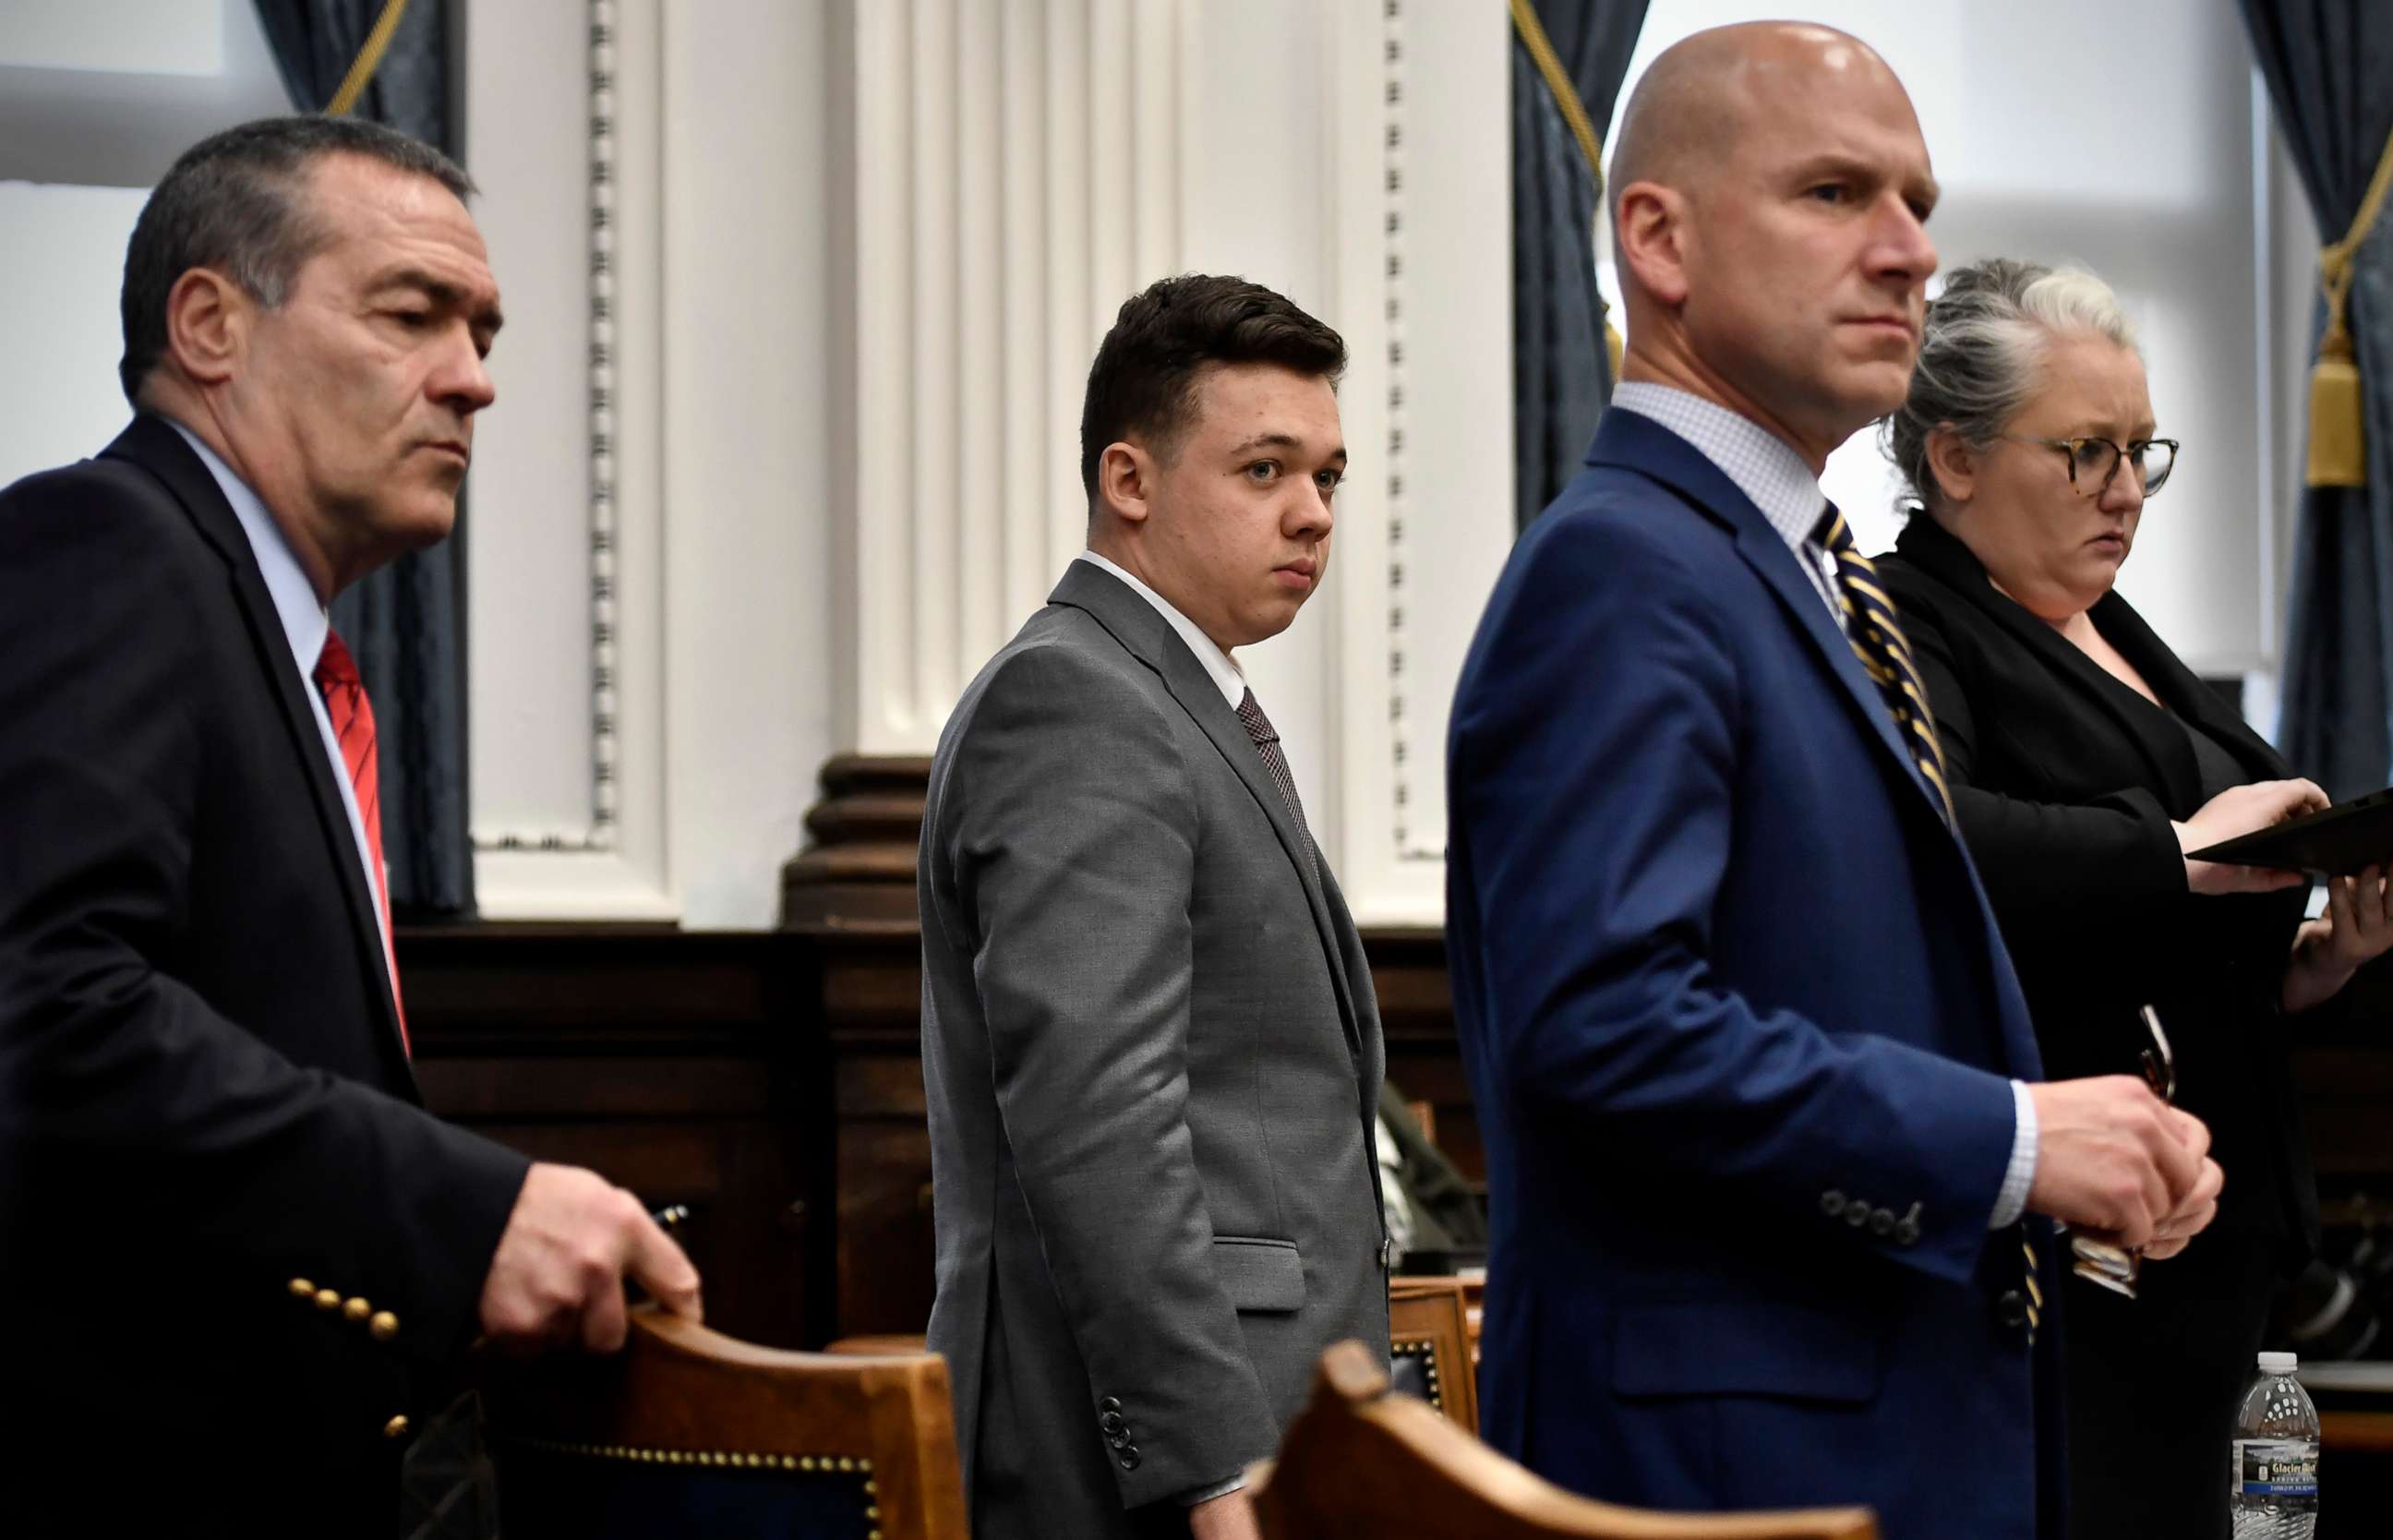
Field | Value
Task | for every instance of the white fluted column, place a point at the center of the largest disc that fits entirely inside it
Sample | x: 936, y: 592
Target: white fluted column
x: 1015, y: 173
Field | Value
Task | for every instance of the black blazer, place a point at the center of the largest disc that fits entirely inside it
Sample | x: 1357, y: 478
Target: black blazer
x: 2066, y: 781
x: 203, y: 1092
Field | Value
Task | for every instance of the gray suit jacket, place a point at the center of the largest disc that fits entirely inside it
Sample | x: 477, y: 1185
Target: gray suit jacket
x: 1151, y: 1055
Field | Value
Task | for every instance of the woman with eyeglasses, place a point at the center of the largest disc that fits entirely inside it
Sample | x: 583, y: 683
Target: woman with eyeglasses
x: 2085, y: 761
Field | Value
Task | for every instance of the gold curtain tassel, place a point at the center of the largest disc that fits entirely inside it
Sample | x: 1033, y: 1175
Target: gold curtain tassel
x: 2338, y: 446
x: 2339, y: 442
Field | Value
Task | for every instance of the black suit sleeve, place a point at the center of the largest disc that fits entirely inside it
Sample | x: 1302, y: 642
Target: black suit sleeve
x: 2065, y: 863
x: 123, y: 1093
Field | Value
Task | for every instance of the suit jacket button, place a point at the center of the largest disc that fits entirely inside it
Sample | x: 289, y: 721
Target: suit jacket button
x: 1118, y: 1438
x: 384, y: 1326
x: 395, y: 1429
x: 1112, y: 1423
x: 1882, y: 1223
x: 302, y: 1289
x: 1857, y: 1214
x: 1128, y: 1459
x: 328, y: 1298
x: 1832, y: 1203
x: 1906, y: 1229
x: 2011, y: 1309
x: 1109, y: 1404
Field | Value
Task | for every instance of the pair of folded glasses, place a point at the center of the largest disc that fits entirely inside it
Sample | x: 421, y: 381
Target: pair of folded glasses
x: 2099, y: 1263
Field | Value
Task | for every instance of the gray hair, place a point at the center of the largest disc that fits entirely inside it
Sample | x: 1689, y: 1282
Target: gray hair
x: 234, y: 202
x: 1980, y: 353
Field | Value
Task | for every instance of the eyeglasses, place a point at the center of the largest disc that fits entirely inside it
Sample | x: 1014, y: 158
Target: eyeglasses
x: 2113, y: 1267
x: 2093, y: 462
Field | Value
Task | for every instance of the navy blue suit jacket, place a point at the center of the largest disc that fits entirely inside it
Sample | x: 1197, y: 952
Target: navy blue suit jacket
x: 1741, y: 1028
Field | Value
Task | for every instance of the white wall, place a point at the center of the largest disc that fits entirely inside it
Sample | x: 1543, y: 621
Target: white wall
x: 97, y: 98
x: 106, y: 93
x: 155, y: 37
x: 63, y: 250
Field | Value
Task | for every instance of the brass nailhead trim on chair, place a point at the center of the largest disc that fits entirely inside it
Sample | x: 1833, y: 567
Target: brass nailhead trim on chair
x: 1426, y: 1348
x: 728, y: 1459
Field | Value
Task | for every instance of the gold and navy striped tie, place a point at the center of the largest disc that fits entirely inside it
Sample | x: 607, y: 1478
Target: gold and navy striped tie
x: 1877, y: 642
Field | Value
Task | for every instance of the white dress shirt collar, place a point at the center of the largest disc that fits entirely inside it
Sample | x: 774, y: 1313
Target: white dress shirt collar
x: 306, y: 624
x: 1219, y: 665
x: 303, y: 621
x: 1764, y: 466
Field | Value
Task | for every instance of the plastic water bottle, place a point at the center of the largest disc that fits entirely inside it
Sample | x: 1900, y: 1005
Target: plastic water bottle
x: 2272, y: 1488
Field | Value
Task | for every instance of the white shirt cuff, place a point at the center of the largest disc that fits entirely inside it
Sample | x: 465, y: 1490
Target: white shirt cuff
x: 1206, y: 1494
x: 2019, y: 1175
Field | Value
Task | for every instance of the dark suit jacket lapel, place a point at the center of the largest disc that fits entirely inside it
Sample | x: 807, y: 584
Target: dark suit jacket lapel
x: 1936, y: 551
x: 158, y: 449
x: 1149, y: 638
x: 1639, y: 444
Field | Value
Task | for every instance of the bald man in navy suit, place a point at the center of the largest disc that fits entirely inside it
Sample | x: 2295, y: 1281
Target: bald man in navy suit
x: 1769, y: 1157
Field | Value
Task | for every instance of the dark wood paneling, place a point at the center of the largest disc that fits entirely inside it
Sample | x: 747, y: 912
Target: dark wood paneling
x: 774, y: 1081
x: 2348, y: 1103
x: 872, y: 1003
x: 687, y: 1067
x: 1416, y: 1014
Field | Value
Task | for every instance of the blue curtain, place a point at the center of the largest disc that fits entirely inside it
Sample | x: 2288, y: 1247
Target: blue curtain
x: 1561, y: 377
x: 405, y: 623
x: 2329, y: 66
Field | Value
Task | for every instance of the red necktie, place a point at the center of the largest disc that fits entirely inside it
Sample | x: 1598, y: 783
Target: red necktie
x: 353, y: 726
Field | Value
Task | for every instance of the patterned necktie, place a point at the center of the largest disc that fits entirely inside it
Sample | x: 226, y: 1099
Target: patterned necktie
x: 353, y: 727
x: 1258, y: 728
x: 1877, y: 642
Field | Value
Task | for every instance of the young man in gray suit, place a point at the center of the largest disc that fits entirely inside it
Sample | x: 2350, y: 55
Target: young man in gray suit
x: 1149, y: 1041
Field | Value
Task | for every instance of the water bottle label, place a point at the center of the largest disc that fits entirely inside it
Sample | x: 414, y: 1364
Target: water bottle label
x: 2277, y: 1470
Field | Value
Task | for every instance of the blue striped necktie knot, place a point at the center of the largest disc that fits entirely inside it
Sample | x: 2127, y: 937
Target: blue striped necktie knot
x: 1877, y: 642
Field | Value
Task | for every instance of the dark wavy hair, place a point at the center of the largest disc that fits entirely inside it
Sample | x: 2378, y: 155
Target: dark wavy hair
x: 1144, y: 383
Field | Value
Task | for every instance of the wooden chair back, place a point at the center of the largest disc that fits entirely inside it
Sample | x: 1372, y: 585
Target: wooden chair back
x: 877, y: 1345
x: 1429, y: 1347
x: 1360, y: 1463
x: 687, y: 1431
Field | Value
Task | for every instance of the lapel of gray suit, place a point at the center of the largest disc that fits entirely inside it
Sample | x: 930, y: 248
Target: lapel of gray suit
x: 1148, y: 637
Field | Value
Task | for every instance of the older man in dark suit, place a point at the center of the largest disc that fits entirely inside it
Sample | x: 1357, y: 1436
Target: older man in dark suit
x: 1149, y: 1036
x: 240, y: 1262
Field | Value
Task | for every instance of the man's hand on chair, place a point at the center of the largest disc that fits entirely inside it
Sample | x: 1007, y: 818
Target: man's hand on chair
x: 557, y: 1277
